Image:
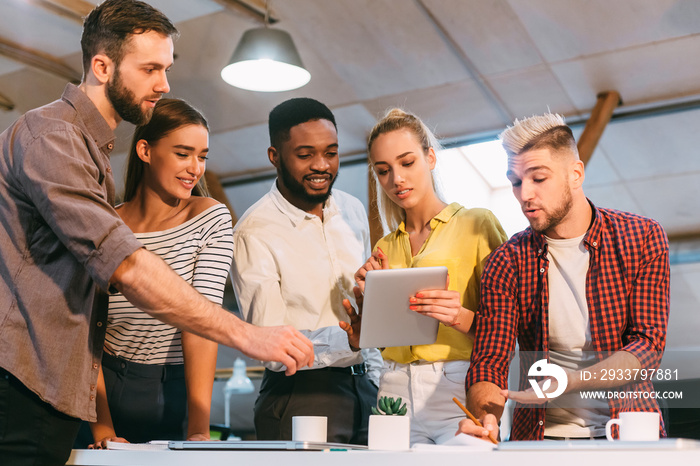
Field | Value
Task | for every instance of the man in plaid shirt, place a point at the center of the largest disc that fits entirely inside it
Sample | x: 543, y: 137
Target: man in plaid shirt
x: 584, y: 287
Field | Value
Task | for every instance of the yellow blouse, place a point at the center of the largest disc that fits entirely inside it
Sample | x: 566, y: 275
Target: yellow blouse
x: 460, y: 239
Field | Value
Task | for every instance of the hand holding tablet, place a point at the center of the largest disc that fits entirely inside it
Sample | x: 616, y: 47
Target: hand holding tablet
x: 377, y: 261
x: 353, y: 328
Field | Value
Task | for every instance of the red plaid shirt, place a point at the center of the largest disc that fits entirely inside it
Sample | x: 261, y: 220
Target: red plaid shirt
x: 627, y: 290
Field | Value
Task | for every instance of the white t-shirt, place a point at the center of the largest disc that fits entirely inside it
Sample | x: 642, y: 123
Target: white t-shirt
x: 570, y: 339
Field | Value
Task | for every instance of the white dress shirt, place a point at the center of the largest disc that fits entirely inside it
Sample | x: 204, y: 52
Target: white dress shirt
x: 292, y: 268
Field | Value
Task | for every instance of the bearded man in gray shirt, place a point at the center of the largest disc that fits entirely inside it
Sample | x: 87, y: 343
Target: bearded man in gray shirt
x: 62, y: 245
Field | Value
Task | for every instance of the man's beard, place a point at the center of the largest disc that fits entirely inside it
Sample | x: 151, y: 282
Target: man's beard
x: 552, y: 220
x: 298, y: 190
x: 124, y: 102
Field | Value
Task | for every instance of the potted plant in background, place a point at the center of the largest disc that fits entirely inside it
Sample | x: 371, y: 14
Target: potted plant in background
x: 389, y: 428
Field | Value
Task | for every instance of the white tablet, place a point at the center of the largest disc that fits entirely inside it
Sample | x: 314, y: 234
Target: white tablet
x: 386, y: 318
x: 261, y: 445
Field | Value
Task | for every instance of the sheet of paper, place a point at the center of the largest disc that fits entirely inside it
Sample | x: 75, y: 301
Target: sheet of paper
x: 461, y: 441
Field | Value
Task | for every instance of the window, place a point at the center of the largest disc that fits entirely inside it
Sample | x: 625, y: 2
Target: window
x: 475, y: 176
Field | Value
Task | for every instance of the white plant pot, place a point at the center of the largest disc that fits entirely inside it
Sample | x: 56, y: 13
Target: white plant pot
x: 389, y: 432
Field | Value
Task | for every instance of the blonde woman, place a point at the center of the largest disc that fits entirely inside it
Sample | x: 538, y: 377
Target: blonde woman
x: 426, y: 231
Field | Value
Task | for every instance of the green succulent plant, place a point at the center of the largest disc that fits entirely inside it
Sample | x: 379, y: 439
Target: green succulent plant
x: 390, y: 407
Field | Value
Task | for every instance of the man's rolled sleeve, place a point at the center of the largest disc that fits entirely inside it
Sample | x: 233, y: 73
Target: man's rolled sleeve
x: 119, y: 244
x: 67, y: 189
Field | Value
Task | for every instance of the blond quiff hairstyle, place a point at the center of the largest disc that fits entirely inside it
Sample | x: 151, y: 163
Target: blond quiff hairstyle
x: 538, y: 131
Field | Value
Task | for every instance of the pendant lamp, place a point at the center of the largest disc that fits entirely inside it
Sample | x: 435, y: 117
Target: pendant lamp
x: 266, y: 60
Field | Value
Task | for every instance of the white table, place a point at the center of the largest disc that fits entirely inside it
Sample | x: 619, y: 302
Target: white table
x: 437, y: 457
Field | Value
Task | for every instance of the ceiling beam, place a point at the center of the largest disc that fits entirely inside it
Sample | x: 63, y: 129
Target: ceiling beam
x: 253, y: 10
x: 6, y: 104
x: 484, y: 86
x: 37, y: 59
x: 599, y: 119
x: 75, y: 10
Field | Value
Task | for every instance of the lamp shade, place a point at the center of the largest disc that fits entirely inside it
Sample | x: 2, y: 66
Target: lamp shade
x: 266, y: 60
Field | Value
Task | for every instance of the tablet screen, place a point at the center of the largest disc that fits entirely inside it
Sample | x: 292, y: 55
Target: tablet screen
x: 386, y: 317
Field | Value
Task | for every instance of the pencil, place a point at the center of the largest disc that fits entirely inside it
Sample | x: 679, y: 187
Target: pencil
x: 474, y: 420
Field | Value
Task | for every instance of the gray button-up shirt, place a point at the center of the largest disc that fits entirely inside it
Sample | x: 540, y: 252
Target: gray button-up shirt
x: 60, y: 239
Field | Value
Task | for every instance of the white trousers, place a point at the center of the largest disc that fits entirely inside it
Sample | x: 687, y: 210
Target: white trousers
x: 428, y: 389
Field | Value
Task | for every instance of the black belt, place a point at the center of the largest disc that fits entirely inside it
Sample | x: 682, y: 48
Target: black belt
x: 150, y: 371
x: 357, y: 369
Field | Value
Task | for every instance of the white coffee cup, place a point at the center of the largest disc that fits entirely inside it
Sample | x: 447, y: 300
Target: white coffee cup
x: 309, y: 428
x: 635, y: 426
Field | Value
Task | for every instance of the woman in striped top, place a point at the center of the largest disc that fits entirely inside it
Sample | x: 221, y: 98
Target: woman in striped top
x: 154, y: 377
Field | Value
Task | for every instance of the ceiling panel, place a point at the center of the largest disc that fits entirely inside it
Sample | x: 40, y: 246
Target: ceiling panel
x: 489, y: 33
x: 38, y: 28
x: 182, y: 10
x: 653, y: 147
x: 641, y: 74
x: 566, y: 29
x: 205, y: 44
x: 444, y: 108
x: 377, y: 46
x: 672, y: 200
x: 532, y: 91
